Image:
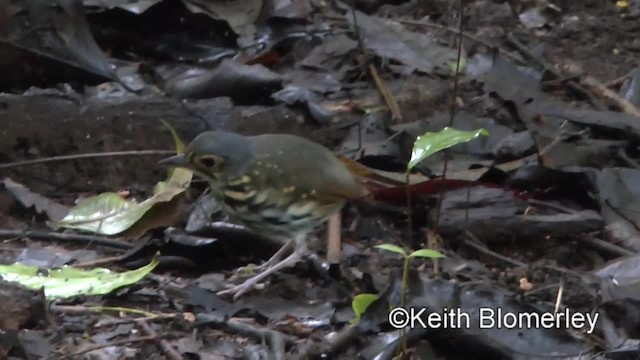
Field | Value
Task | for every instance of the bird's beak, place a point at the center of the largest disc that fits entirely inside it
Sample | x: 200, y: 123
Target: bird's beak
x: 179, y: 160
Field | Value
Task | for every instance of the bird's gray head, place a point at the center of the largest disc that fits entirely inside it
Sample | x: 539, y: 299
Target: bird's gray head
x: 215, y: 154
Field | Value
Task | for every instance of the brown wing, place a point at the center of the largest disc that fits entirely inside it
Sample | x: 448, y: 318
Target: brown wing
x: 312, y: 170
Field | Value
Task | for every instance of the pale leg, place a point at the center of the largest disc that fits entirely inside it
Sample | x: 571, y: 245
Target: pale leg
x: 279, y: 255
x: 290, y: 260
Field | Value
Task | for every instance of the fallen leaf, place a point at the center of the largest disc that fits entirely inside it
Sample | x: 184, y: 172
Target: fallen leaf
x: 391, y: 40
x: 240, y: 15
x: 69, y: 281
x: 110, y: 214
x: 26, y: 197
x: 432, y: 142
x: 360, y: 304
x: 58, y: 30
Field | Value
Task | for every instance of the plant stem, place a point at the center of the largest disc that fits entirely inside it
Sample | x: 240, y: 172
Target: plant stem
x: 405, y: 278
x: 403, y: 292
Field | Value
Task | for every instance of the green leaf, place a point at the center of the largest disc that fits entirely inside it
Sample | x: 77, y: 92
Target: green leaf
x: 426, y: 253
x: 360, y: 303
x: 107, y: 213
x: 110, y: 214
x: 430, y: 143
x: 179, y: 150
x: 392, y: 248
x: 176, y: 138
x: 461, y: 64
x: 68, y: 281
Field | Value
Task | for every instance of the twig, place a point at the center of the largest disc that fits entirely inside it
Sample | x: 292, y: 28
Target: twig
x: 467, y: 35
x: 116, y: 343
x: 380, y: 85
x: 87, y: 156
x: 475, y: 243
x: 547, y: 67
x: 565, y: 271
x: 558, y: 302
x: 166, y: 347
x: 618, y: 81
x: 79, y: 309
x: 631, y: 220
x: 44, y: 235
x: 552, y: 206
x: 560, y: 138
x: 605, y: 246
x: 97, y: 262
x: 389, y: 99
x: 560, y: 81
x: 607, y: 93
x: 454, y: 95
x: 116, y: 322
x: 631, y: 162
x: 277, y: 340
x: 343, y: 338
x: 151, y: 334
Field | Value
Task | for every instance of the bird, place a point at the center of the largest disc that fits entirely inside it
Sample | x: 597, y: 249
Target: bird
x: 280, y: 185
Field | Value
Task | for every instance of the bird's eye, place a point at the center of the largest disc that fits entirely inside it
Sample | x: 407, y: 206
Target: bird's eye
x: 209, y: 161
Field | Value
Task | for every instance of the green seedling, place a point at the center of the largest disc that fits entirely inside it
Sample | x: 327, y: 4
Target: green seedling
x: 360, y: 303
x: 421, y: 253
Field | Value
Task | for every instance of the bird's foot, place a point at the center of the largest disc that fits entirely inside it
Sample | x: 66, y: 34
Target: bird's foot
x: 241, y: 289
x: 250, y: 283
x: 277, y: 257
x: 247, y: 271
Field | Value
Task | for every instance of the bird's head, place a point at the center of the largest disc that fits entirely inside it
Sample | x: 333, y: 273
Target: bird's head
x: 215, y: 154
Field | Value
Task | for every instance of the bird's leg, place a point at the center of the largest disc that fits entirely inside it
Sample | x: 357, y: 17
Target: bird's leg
x: 279, y: 255
x: 290, y: 260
